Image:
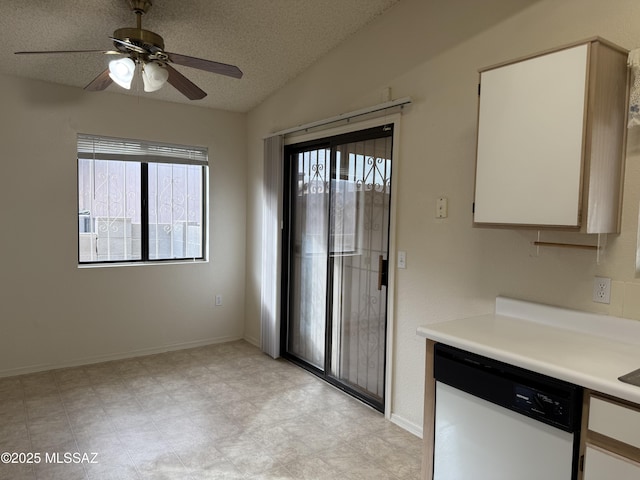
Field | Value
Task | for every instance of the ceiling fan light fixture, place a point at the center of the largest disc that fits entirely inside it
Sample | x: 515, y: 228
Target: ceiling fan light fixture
x: 154, y: 76
x: 121, y: 71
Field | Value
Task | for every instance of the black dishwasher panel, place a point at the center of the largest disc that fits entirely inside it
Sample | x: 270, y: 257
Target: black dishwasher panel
x: 546, y: 399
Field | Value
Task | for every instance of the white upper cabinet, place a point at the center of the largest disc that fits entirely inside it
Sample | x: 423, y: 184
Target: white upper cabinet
x: 551, y: 130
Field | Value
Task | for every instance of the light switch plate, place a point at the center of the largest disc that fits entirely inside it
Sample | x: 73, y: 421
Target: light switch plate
x: 402, y: 259
x: 442, y: 207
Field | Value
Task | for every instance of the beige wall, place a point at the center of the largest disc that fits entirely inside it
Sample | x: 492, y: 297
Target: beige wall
x: 431, y: 50
x: 51, y: 312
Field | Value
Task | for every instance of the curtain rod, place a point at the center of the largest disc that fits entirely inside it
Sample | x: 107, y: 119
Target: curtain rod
x: 345, y: 116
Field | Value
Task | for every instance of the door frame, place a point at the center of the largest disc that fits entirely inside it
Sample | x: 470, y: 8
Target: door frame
x: 391, y: 271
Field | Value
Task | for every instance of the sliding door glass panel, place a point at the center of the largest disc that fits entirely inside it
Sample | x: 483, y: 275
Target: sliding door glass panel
x: 308, y: 275
x: 359, y: 209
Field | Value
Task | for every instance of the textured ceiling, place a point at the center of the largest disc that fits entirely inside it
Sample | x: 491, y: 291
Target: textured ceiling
x: 272, y: 41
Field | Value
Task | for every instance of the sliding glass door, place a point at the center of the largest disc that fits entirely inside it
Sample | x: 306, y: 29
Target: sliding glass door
x: 337, y: 239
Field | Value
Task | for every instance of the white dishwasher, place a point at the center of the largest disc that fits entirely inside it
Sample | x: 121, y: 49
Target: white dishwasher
x: 495, y: 421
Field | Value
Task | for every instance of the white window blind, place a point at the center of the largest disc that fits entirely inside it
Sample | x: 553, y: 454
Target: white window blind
x: 109, y: 148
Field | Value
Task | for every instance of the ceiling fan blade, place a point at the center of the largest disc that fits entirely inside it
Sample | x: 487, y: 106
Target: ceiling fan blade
x: 207, y: 65
x: 106, y: 52
x: 184, y: 85
x: 101, y: 82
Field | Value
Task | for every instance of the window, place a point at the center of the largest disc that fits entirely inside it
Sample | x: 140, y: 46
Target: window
x: 140, y: 201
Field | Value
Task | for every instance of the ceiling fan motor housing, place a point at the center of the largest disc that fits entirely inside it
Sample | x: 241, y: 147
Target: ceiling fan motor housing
x: 146, y: 39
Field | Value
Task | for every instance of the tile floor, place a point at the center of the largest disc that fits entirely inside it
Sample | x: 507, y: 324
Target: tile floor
x: 218, y: 412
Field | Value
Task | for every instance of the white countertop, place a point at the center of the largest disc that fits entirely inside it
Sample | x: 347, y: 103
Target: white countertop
x: 582, y: 348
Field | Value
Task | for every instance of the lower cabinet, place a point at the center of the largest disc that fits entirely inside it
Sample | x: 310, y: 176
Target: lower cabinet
x: 603, y: 465
x: 612, y: 440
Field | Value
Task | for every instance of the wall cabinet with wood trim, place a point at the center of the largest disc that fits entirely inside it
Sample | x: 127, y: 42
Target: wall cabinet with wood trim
x: 612, y: 447
x: 551, y: 132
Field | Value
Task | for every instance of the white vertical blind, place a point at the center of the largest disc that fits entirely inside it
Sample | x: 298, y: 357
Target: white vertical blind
x: 271, y: 242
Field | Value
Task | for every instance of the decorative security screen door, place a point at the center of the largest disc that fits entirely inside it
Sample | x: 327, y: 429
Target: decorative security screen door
x: 336, y: 250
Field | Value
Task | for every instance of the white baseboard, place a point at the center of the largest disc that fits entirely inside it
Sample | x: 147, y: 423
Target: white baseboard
x: 407, y: 425
x: 253, y: 341
x: 115, y: 356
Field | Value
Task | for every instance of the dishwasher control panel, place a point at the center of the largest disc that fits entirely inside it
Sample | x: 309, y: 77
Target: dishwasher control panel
x: 538, y: 404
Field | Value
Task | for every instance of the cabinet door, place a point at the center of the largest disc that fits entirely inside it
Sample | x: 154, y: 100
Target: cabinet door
x: 615, y: 421
x: 600, y: 465
x: 530, y: 140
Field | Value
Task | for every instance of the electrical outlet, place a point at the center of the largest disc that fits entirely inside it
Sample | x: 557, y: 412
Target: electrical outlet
x: 218, y: 300
x: 602, y: 290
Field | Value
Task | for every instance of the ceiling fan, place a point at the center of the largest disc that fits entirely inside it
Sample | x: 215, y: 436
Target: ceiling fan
x: 145, y: 49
